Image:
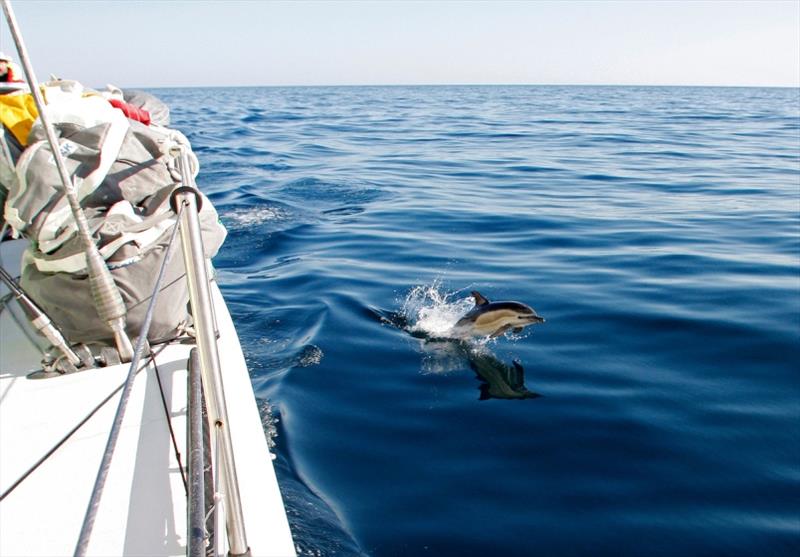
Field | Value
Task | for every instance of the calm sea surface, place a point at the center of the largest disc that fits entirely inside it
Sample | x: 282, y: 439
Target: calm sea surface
x: 656, y: 229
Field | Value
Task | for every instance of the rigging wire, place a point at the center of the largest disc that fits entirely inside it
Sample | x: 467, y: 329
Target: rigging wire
x: 108, y: 300
x: 74, y: 430
x: 105, y: 464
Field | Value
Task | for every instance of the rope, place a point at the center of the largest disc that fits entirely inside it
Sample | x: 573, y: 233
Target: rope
x: 105, y: 464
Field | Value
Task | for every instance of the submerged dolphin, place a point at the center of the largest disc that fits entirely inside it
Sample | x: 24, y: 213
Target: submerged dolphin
x: 499, y: 380
x: 494, y: 318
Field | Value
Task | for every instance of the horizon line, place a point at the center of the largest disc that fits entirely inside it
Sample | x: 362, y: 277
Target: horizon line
x: 343, y: 85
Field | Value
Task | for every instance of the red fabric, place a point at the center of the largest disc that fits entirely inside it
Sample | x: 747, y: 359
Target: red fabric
x: 10, y: 76
x: 132, y: 112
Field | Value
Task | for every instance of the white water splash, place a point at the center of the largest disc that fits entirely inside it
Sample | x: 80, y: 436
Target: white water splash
x: 309, y: 356
x: 269, y: 421
x: 255, y: 215
x: 432, y: 311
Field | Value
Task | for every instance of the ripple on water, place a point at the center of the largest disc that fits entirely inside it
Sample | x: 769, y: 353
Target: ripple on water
x: 655, y: 228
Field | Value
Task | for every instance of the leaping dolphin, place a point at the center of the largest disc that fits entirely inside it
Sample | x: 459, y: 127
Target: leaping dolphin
x: 494, y: 318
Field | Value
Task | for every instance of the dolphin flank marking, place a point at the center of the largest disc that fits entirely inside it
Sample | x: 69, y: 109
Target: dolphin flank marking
x: 493, y: 319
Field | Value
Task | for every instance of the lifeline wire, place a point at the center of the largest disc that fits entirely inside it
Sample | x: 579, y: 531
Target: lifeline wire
x: 105, y: 464
x: 72, y: 432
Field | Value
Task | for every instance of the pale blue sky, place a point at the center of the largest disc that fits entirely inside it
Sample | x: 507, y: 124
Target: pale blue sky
x: 159, y: 43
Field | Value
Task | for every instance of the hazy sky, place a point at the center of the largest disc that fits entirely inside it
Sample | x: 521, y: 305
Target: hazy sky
x: 169, y: 43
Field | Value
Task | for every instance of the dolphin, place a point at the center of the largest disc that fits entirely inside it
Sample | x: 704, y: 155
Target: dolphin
x: 494, y: 318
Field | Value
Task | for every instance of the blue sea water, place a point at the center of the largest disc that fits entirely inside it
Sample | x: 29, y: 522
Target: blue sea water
x: 656, y: 229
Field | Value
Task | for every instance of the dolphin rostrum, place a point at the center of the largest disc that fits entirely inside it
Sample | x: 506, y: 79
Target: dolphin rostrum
x: 494, y: 318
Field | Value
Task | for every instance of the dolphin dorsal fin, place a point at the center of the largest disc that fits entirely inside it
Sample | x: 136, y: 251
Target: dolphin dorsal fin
x: 479, y: 299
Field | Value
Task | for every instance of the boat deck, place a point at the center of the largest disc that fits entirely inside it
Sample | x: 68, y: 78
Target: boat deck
x: 143, y: 509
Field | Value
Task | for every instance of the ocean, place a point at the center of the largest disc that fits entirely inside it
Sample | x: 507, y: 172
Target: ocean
x: 656, y: 412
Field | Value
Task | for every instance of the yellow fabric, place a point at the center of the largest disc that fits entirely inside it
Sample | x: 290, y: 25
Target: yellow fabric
x: 18, y: 113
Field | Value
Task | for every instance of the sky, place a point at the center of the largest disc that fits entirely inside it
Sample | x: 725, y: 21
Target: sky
x: 159, y: 43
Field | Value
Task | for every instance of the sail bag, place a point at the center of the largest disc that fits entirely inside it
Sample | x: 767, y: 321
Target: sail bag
x: 123, y: 173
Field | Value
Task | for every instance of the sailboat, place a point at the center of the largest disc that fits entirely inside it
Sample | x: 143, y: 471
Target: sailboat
x: 128, y: 424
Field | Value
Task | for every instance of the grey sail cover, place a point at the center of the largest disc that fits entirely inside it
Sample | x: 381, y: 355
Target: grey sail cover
x: 121, y: 170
